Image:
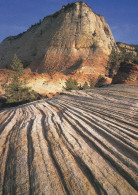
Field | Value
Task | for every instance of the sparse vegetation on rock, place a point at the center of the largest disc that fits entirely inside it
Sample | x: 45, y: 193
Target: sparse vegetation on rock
x: 71, y: 84
x: 113, y: 62
x: 127, y: 73
x: 100, y: 81
x: 15, y: 89
x: 116, y: 57
x: 85, y: 86
x: 92, y: 82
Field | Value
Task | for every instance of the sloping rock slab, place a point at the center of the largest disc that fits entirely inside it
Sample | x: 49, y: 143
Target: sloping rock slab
x: 82, y: 142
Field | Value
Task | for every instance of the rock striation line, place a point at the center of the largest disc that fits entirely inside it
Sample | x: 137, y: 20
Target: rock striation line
x: 80, y: 142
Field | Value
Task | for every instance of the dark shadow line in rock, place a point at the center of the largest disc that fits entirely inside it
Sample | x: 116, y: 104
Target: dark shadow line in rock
x: 11, y: 156
x: 106, y: 114
x: 56, y: 165
x: 90, y: 120
x: 44, y: 161
x: 2, y: 127
x: 97, y: 114
x: 87, y: 172
x: 30, y: 156
x: 91, y: 179
x: 8, y: 137
x: 109, y: 138
x: 109, y: 159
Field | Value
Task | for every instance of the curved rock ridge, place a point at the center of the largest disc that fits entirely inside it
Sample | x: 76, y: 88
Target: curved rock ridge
x: 81, y: 142
x: 74, y: 37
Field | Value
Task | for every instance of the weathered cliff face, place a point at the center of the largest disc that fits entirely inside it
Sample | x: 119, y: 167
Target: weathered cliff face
x: 76, y: 143
x: 74, y: 37
x: 128, y: 48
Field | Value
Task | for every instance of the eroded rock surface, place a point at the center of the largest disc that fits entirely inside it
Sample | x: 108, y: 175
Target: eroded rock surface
x: 133, y: 49
x: 75, y: 38
x: 127, y: 74
x: 82, y: 142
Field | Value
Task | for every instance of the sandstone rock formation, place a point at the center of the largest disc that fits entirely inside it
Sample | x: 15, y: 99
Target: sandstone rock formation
x: 82, y: 142
x: 128, y: 48
x: 75, y: 38
x: 127, y: 74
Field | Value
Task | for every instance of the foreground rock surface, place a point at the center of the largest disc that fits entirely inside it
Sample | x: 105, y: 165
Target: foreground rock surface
x: 82, y: 142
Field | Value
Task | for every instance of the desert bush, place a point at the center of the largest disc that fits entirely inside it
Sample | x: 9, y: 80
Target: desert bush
x: 100, y: 81
x: 71, y: 84
x: 85, y: 86
x: 92, y: 82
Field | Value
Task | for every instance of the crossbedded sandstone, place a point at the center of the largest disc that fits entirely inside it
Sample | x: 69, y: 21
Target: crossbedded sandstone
x: 73, y: 38
x: 81, y: 142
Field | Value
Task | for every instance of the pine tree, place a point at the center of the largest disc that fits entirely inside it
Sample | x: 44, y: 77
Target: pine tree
x: 17, y: 67
x: 16, y: 91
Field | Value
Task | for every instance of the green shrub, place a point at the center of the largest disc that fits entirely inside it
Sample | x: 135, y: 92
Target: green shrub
x: 85, y: 86
x: 100, y: 81
x: 71, y: 84
x: 92, y: 82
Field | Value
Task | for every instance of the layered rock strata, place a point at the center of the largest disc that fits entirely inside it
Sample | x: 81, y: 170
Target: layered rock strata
x: 81, y: 142
x: 133, y: 49
x: 75, y: 38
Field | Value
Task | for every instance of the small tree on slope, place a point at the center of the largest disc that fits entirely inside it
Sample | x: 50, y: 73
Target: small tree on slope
x: 16, y: 91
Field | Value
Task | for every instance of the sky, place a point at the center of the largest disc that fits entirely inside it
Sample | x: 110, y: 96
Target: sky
x: 17, y: 16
